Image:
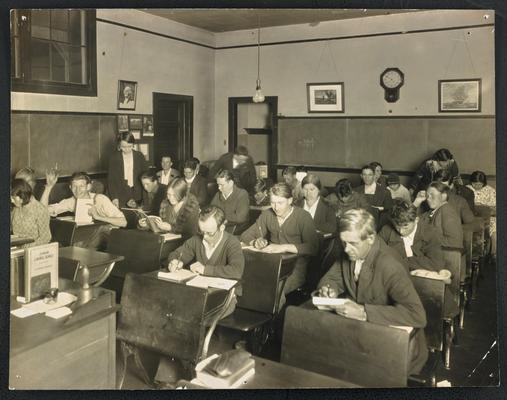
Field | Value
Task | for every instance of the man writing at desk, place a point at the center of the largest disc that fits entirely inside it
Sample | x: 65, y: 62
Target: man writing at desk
x: 376, y: 283
x: 214, y: 252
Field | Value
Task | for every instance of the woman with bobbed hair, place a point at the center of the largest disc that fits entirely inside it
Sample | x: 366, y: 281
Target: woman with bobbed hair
x: 344, y: 198
x: 125, y: 169
x: 179, y: 213
x: 485, y: 195
x: 323, y: 215
x: 29, y: 218
x: 425, y: 174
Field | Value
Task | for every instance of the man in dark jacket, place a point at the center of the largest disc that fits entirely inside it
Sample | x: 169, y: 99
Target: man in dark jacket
x: 240, y: 164
x: 376, y: 283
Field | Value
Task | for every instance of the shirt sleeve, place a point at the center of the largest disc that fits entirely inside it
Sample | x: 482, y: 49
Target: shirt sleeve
x: 185, y: 253
x: 109, y: 209
x: 65, y: 205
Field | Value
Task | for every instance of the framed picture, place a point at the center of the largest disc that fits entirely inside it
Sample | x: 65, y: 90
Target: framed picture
x: 325, y: 97
x: 459, y: 95
x: 127, y: 93
x: 123, y: 123
x: 135, y: 122
x: 148, y: 125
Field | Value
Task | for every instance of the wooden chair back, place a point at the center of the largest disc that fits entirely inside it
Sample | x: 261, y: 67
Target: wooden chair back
x: 62, y: 231
x: 363, y: 353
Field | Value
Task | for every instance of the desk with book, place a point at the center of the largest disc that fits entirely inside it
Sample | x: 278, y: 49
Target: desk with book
x: 67, y: 230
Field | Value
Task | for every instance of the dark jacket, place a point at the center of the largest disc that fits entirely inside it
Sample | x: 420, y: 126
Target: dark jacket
x: 426, y: 249
x: 236, y: 207
x: 152, y: 205
x: 227, y: 261
x: 425, y: 173
x: 448, y: 225
x: 185, y: 221
x: 356, y: 200
x: 325, y: 218
x: 244, y: 174
x: 386, y: 291
x: 116, y: 182
x: 381, y: 198
x: 461, y: 207
x: 199, y: 189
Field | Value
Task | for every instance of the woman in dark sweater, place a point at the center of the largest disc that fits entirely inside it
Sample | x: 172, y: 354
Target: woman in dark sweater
x: 344, y: 198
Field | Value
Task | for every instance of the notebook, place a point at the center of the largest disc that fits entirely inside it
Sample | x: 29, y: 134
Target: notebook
x: 82, y: 217
x: 182, y: 275
x: 210, y: 281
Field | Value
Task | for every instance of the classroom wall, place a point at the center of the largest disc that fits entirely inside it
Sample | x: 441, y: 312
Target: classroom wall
x: 424, y: 57
x: 157, y: 63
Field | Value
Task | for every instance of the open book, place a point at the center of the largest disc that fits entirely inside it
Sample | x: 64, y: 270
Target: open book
x: 137, y: 214
x: 211, y: 281
x: 182, y: 275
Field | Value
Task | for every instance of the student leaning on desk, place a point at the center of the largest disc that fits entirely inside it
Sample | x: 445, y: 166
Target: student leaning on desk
x: 214, y: 252
x: 375, y: 281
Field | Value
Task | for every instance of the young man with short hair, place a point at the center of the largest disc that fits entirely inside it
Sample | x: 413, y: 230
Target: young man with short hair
x: 167, y: 173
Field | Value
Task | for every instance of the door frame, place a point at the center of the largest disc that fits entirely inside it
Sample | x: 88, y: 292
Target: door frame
x: 187, y: 138
x: 272, y: 102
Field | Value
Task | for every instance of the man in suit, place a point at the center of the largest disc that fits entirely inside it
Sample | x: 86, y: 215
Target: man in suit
x: 196, y: 183
x: 240, y: 164
x: 167, y: 173
x: 376, y: 283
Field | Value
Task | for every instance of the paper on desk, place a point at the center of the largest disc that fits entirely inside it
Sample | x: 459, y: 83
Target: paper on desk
x: 328, y: 301
x: 170, y: 236
x: 210, y: 281
x: 251, y: 248
x: 59, y: 312
x: 23, y: 312
x: 177, y: 276
x: 66, y: 218
x: 40, y: 307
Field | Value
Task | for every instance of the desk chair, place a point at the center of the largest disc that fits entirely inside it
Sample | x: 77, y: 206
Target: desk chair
x: 481, y: 245
x: 362, y: 353
x: 167, y: 318
x: 263, y: 281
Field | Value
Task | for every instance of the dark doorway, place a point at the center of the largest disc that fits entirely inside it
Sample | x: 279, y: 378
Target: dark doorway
x: 173, y: 127
x: 254, y: 125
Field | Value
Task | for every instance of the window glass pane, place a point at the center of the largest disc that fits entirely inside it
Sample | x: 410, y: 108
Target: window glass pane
x: 75, y: 26
x: 40, y: 24
x: 76, y: 64
x: 59, y: 25
x: 59, y: 62
x: 40, y: 60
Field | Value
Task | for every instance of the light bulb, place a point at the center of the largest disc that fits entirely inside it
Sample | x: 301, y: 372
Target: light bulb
x: 258, y: 97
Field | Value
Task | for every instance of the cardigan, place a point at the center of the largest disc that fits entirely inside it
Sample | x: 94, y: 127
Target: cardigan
x: 236, y: 207
x: 199, y: 188
x: 185, y: 221
x: 426, y: 248
x: 227, y: 261
x: 448, y: 225
x: 152, y: 205
x: 31, y: 220
x: 386, y: 291
x: 298, y: 229
x: 116, y: 182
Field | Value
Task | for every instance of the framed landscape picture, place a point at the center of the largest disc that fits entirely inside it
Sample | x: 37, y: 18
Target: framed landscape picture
x: 325, y: 97
x: 459, y: 95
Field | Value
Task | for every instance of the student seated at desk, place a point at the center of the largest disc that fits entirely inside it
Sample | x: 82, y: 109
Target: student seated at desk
x: 241, y: 166
x: 344, y: 198
x: 154, y: 193
x: 398, y: 191
x: 260, y: 197
x: 323, y: 215
x: 196, y: 183
x: 285, y: 229
x: 233, y: 200
x: 289, y: 177
x: 167, y: 173
x: 213, y: 252
x: 179, y: 212
x: 377, y: 169
x: 377, y: 284
x: 29, y: 218
x: 417, y: 242
x: 458, y: 202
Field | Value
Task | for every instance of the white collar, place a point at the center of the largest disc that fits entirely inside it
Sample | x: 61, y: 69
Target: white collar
x: 313, y: 208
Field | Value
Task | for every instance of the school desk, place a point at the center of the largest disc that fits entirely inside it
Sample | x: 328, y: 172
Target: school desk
x: 66, y: 232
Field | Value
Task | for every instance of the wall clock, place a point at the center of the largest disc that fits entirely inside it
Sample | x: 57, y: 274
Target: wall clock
x: 392, y: 80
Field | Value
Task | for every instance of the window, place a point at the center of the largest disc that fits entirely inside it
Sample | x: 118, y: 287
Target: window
x: 54, y: 51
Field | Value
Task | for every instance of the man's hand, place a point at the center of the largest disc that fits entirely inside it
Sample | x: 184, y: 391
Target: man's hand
x: 197, y: 268
x: 162, y: 225
x: 51, y: 177
x: 131, y: 203
x: 421, y: 196
x: 274, y: 248
x: 351, y: 310
x: 260, y: 243
x: 142, y: 223
x: 327, y: 291
x: 174, y: 265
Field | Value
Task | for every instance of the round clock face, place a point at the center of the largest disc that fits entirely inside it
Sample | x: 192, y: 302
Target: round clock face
x: 392, y: 79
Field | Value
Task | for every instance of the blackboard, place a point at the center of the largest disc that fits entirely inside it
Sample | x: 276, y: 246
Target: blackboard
x: 400, y: 144
x: 76, y: 142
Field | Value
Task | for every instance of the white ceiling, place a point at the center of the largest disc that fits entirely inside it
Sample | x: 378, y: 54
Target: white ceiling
x: 224, y: 20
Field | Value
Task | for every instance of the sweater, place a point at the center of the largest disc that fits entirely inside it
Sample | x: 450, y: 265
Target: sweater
x: 31, y: 220
x: 236, y: 207
x: 151, y: 202
x: 227, y: 261
x: 185, y: 220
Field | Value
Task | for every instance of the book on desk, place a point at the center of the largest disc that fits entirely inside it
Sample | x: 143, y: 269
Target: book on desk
x: 228, y: 370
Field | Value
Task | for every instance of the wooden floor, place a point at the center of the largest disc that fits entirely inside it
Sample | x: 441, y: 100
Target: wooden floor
x: 474, y: 360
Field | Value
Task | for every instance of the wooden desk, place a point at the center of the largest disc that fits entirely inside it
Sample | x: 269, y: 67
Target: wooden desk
x: 20, y: 240
x: 69, y: 353
x: 75, y: 260
x: 66, y: 232
x: 273, y: 375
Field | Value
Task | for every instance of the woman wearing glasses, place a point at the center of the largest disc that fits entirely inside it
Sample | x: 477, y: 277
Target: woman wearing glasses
x: 125, y: 169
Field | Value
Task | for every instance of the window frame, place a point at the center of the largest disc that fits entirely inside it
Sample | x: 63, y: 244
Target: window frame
x: 23, y: 84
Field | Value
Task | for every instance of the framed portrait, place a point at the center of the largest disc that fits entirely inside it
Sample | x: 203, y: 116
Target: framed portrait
x: 127, y: 93
x: 459, y: 95
x: 123, y: 122
x: 325, y: 97
x: 135, y: 122
x: 148, y: 125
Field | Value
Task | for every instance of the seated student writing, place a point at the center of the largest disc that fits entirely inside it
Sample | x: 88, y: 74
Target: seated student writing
x: 398, y: 191
x: 197, y: 184
x: 213, y: 252
x: 285, y: 229
x: 377, y: 284
x: 344, y: 198
x: 323, y: 215
x: 417, y: 242
x: 260, y: 196
x: 29, y: 218
x: 154, y: 193
x: 233, y: 200
x: 178, y: 212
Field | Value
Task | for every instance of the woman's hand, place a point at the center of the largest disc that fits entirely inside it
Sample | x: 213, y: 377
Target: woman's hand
x: 51, y: 177
x: 163, y: 225
x: 131, y: 203
x: 142, y: 223
x: 260, y: 243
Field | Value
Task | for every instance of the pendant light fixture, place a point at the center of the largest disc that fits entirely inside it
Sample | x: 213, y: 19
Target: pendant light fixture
x: 258, y: 97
